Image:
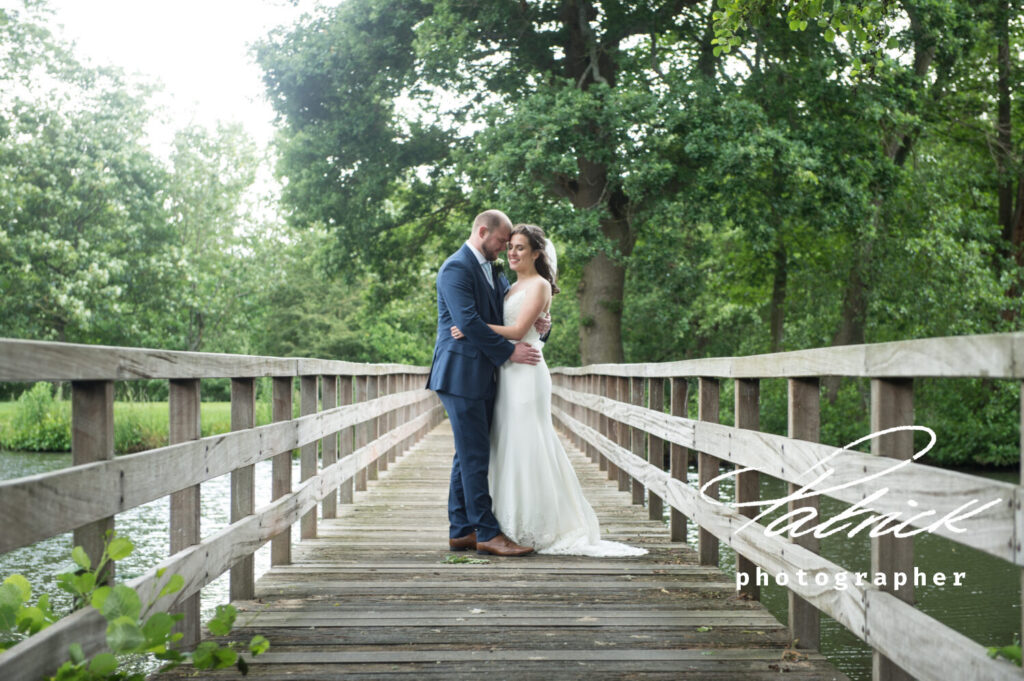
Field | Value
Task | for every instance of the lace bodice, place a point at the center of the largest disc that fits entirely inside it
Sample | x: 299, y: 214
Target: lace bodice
x: 512, y: 305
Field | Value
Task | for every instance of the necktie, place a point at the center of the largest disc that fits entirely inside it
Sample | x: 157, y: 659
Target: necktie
x: 488, y: 275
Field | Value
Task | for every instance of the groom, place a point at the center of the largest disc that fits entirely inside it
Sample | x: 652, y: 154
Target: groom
x: 470, y: 295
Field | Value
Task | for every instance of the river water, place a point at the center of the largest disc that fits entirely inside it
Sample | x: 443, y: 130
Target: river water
x: 986, y: 607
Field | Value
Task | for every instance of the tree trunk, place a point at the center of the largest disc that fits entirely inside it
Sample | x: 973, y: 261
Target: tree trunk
x: 600, y: 294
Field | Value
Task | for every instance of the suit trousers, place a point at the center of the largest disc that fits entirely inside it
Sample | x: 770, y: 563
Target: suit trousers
x: 469, y: 496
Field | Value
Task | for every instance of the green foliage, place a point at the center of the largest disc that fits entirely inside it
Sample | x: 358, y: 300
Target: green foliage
x: 40, y: 423
x: 133, y: 629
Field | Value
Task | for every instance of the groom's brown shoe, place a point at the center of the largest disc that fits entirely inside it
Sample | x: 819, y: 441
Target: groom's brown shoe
x: 500, y: 545
x: 462, y: 543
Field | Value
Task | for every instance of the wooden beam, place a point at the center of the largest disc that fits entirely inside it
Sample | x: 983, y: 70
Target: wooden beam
x: 243, y: 486
x: 183, y: 401
x: 92, y: 439
x: 892, y: 404
x: 804, y: 423
x: 308, y: 405
x: 679, y: 458
x: 329, y: 388
x: 281, y: 484
x: 747, y: 410
x: 707, y: 465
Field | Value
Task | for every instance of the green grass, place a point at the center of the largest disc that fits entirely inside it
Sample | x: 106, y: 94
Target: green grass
x: 141, y: 425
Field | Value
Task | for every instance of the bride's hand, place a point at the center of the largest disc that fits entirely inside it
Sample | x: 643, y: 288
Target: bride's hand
x: 543, y: 323
x: 456, y: 334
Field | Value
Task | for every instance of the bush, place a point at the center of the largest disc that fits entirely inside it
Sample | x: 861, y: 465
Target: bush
x: 41, y: 422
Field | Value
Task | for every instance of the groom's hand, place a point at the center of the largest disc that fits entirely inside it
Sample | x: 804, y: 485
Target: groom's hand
x: 524, y: 353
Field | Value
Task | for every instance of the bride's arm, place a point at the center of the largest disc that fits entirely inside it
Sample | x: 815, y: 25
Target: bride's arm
x: 537, y: 297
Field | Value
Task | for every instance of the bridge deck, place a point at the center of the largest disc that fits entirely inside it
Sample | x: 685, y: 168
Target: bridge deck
x: 371, y: 598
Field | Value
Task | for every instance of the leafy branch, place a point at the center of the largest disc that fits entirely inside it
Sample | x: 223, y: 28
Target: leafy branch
x: 128, y: 633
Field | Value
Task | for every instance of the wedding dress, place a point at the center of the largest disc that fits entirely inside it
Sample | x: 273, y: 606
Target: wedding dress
x: 536, y: 495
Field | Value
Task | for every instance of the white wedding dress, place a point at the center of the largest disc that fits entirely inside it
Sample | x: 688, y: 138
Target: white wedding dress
x: 537, y: 497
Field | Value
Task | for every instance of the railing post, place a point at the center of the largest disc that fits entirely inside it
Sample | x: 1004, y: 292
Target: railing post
x: 329, y: 390
x: 591, y: 384
x: 892, y: 404
x: 281, y: 483
x: 1021, y: 431
x: 747, y: 393
x: 391, y: 388
x: 184, y: 425
x: 638, y: 438
x: 614, y: 427
x: 679, y: 456
x: 243, y: 486
x: 362, y: 431
x: 804, y: 424
x: 602, y: 388
x: 622, y: 392
x: 655, y: 445
x: 372, y: 427
x: 92, y: 439
x: 707, y: 465
x: 308, y: 404
x: 346, y: 436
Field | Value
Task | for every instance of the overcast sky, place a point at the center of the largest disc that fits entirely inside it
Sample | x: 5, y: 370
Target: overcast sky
x: 199, y: 50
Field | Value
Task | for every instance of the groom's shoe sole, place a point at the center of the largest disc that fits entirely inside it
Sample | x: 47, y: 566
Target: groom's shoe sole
x: 464, y: 543
x: 502, y: 546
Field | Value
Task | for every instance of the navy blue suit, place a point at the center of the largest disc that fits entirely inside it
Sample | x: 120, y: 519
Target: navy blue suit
x: 463, y: 373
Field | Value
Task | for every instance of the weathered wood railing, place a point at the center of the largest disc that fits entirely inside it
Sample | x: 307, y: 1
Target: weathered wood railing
x: 603, y: 406
x: 373, y: 411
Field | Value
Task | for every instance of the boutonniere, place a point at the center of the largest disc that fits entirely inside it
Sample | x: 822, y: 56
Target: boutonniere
x: 499, y: 265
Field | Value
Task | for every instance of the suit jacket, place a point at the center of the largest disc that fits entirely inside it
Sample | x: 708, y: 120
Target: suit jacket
x: 467, y: 367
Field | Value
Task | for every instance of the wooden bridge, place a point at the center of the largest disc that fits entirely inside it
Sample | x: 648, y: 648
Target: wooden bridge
x: 365, y: 592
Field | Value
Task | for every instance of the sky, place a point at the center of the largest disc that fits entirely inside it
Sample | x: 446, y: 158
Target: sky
x: 198, y: 49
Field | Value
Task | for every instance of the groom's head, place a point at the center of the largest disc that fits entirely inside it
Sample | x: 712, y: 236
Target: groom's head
x: 491, y: 231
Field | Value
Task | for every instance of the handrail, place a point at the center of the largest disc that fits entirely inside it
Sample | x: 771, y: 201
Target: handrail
x: 379, y: 411
x: 996, y: 355
x: 617, y: 415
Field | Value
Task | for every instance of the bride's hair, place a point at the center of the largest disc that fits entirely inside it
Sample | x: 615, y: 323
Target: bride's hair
x: 535, y: 236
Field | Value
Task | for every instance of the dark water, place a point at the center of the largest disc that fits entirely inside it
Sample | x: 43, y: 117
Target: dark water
x: 985, y: 608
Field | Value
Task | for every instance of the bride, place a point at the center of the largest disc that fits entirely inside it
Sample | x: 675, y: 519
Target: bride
x: 537, y: 498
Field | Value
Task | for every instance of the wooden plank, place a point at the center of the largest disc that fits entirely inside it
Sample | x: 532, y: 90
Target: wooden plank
x: 362, y: 430
x: 679, y: 457
x: 804, y: 423
x: 372, y: 426
x: 747, y: 408
x: 637, y: 437
x: 281, y: 472
x: 707, y: 465
x: 243, y: 484
x: 998, y: 355
x: 183, y: 401
x: 655, y: 445
x: 308, y: 405
x: 92, y: 439
x: 852, y: 476
x: 27, y: 360
x: 329, y: 509
x: 892, y: 404
x: 81, y: 494
x: 346, y: 437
